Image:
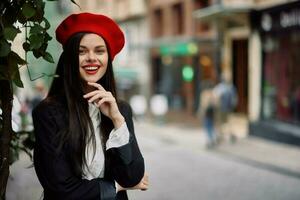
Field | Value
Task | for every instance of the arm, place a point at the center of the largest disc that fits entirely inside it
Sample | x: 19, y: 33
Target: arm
x: 54, y: 169
x: 127, y: 161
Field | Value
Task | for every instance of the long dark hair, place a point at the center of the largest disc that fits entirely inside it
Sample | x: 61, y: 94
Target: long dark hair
x: 69, y: 85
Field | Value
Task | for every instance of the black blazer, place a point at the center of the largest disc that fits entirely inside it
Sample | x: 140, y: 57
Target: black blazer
x: 124, y: 164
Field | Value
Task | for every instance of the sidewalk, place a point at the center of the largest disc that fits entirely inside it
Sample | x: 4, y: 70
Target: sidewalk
x: 267, y: 154
x: 271, y: 155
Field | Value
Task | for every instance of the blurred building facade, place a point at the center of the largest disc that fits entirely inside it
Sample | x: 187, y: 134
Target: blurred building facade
x: 230, y: 19
x: 276, y: 31
x: 131, y: 66
x: 257, y: 43
x: 179, y: 44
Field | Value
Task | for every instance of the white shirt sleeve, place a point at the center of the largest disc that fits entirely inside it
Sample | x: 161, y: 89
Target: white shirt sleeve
x: 118, y: 137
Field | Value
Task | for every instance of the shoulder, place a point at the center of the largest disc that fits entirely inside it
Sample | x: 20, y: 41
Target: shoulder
x: 49, y: 106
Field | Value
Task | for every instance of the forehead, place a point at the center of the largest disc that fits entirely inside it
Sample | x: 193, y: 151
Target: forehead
x: 92, y: 39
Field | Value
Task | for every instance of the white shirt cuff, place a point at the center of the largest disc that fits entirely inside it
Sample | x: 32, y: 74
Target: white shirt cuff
x: 118, y: 137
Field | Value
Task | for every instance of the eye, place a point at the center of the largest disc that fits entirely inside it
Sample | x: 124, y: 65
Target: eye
x: 81, y: 52
x: 100, y: 51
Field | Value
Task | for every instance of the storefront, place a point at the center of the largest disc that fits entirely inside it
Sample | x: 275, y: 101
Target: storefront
x: 279, y: 29
x: 174, y: 74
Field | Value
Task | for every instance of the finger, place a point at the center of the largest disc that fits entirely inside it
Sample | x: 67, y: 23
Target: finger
x: 144, y: 187
x: 146, y: 183
x: 146, y: 177
x: 88, y: 95
x: 99, y: 95
x: 96, y: 85
x: 106, y: 100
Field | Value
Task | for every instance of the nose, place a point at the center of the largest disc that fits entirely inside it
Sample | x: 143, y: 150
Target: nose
x: 91, y: 56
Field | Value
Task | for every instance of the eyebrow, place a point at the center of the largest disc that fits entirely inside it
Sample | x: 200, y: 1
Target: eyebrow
x: 100, y: 46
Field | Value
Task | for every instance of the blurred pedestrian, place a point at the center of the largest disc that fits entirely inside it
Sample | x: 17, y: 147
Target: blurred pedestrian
x: 226, y: 96
x: 85, y: 142
x: 207, y: 112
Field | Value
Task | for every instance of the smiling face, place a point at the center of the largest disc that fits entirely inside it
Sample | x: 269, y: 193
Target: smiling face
x: 93, y: 57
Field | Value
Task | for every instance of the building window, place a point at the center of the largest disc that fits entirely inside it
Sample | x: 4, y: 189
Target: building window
x: 177, y: 12
x: 200, y: 26
x: 157, y: 23
x: 198, y: 4
x: 281, y: 83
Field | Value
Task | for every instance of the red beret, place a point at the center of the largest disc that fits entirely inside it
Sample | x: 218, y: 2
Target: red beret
x: 93, y: 23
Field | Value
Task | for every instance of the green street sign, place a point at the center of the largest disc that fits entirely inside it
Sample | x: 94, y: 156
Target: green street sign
x: 179, y: 49
x: 187, y: 73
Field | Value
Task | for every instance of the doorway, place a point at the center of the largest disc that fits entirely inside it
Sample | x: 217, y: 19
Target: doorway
x: 240, y: 73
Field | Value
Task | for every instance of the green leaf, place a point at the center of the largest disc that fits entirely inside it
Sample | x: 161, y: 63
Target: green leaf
x: 4, y: 48
x: 12, y: 63
x: 47, y: 37
x: 17, y: 79
x: 26, y: 46
x: 28, y: 10
x: 11, y: 32
x: 36, y: 41
x: 36, y: 53
x: 39, y: 6
x: 13, y: 60
x: 10, y: 16
x: 43, y: 48
x: 21, y: 18
x: 17, y: 58
x: 46, y: 23
x: 36, y: 29
x: 48, y: 57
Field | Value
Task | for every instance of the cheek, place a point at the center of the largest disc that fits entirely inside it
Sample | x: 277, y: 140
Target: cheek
x: 104, y: 59
x: 80, y: 59
x: 81, y: 72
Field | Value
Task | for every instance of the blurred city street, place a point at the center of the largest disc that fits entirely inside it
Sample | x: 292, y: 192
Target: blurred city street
x: 214, y: 86
x: 180, y: 167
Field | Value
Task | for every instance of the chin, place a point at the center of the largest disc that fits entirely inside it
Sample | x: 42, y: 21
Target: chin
x: 92, y: 80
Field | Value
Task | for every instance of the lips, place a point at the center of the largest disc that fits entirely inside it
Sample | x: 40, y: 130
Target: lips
x: 91, y: 68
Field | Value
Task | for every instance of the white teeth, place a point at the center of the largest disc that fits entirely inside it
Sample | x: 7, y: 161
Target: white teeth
x: 91, y: 68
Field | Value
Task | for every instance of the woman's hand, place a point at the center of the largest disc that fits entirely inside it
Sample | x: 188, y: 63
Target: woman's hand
x: 142, y: 185
x: 106, y: 102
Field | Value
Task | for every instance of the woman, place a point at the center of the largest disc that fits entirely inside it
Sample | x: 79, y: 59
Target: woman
x: 85, y: 142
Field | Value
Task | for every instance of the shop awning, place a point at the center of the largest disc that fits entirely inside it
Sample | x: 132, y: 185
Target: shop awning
x: 219, y: 10
x: 126, y: 77
x: 126, y: 73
